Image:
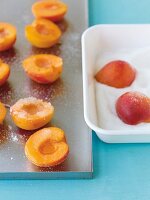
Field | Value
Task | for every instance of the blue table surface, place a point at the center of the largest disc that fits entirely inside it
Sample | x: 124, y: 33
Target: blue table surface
x: 121, y: 171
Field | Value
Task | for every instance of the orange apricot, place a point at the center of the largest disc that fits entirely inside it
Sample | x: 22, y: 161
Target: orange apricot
x: 43, y: 68
x: 4, y: 72
x: 118, y: 74
x: 47, y: 147
x: 133, y: 108
x: 49, y: 9
x: 31, y: 113
x: 42, y: 33
x: 7, y: 36
x: 2, y: 112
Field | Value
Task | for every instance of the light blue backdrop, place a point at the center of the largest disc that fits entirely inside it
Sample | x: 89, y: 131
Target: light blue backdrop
x: 122, y: 171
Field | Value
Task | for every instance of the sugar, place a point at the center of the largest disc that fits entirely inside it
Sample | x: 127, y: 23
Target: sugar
x: 106, y: 96
x: 14, y: 137
x: 17, y: 108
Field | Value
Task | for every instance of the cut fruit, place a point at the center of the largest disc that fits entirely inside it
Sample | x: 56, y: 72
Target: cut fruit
x: 4, y: 72
x: 47, y: 147
x: 7, y: 36
x: 43, y: 68
x: 133, y: 108
x: 2, y: 112
x: 31, y: 113
x: 49, y: 9
x: 118, y: 74
x: 43, y: 33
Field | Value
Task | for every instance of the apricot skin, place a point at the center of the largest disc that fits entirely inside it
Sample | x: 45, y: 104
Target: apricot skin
x: 43, y: 68
x: 53, y: 10
x: 42, y: 33
x: 7, y: 36
x: 47, y: 147
x: 118, y: 74
x: 133, y: 108
x: 4, y: 72
x: 2, y: 112
x: 24, y: 119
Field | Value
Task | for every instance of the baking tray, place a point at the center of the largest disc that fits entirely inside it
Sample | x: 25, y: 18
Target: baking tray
x: 65, y: 94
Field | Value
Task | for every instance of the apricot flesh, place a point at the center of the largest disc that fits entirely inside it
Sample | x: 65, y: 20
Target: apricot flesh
x: 118, y: 74
x: 4, y: 72
x: 49, y: 9
x: 43, y: 68
x: 42, y: 33
x: 31, y: 113
x: 7, y: 36
x: 47, y: 147
x: 2, y: 112
x: 133, y: 108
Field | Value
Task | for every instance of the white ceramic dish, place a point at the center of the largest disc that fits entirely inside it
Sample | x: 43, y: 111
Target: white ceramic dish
x: 109, y: 37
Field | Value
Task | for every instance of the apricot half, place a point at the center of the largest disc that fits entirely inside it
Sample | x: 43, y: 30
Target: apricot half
x: 133, y: 108
x: 47, y: 147
x: 4, y: 72
x: 31, y: 113
x: 42, y: 33
x: 7, y: 36
x: 49, y: 9
x: 2, y: 112
x: 118, y: 74
x: 43, y: 68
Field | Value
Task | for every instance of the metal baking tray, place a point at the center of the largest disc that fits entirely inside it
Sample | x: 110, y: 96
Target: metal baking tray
x: 65, y: 94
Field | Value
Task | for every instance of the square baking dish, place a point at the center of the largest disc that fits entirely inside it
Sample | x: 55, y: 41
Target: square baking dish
x: 110, y: 37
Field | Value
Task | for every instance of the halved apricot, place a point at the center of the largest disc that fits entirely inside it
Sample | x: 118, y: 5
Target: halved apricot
x: 43, y: 68
x: 49, y: 9
x: 7, y: 36
x: 4, y: 72
x: 47, y: 147
x: 31, y: 113
x: 2, y: 112
x: 133, y: 108
x: 42, y: 33
x: 117, y: 73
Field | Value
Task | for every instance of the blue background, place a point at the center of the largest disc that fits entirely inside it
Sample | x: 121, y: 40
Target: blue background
x: 121, y: 171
